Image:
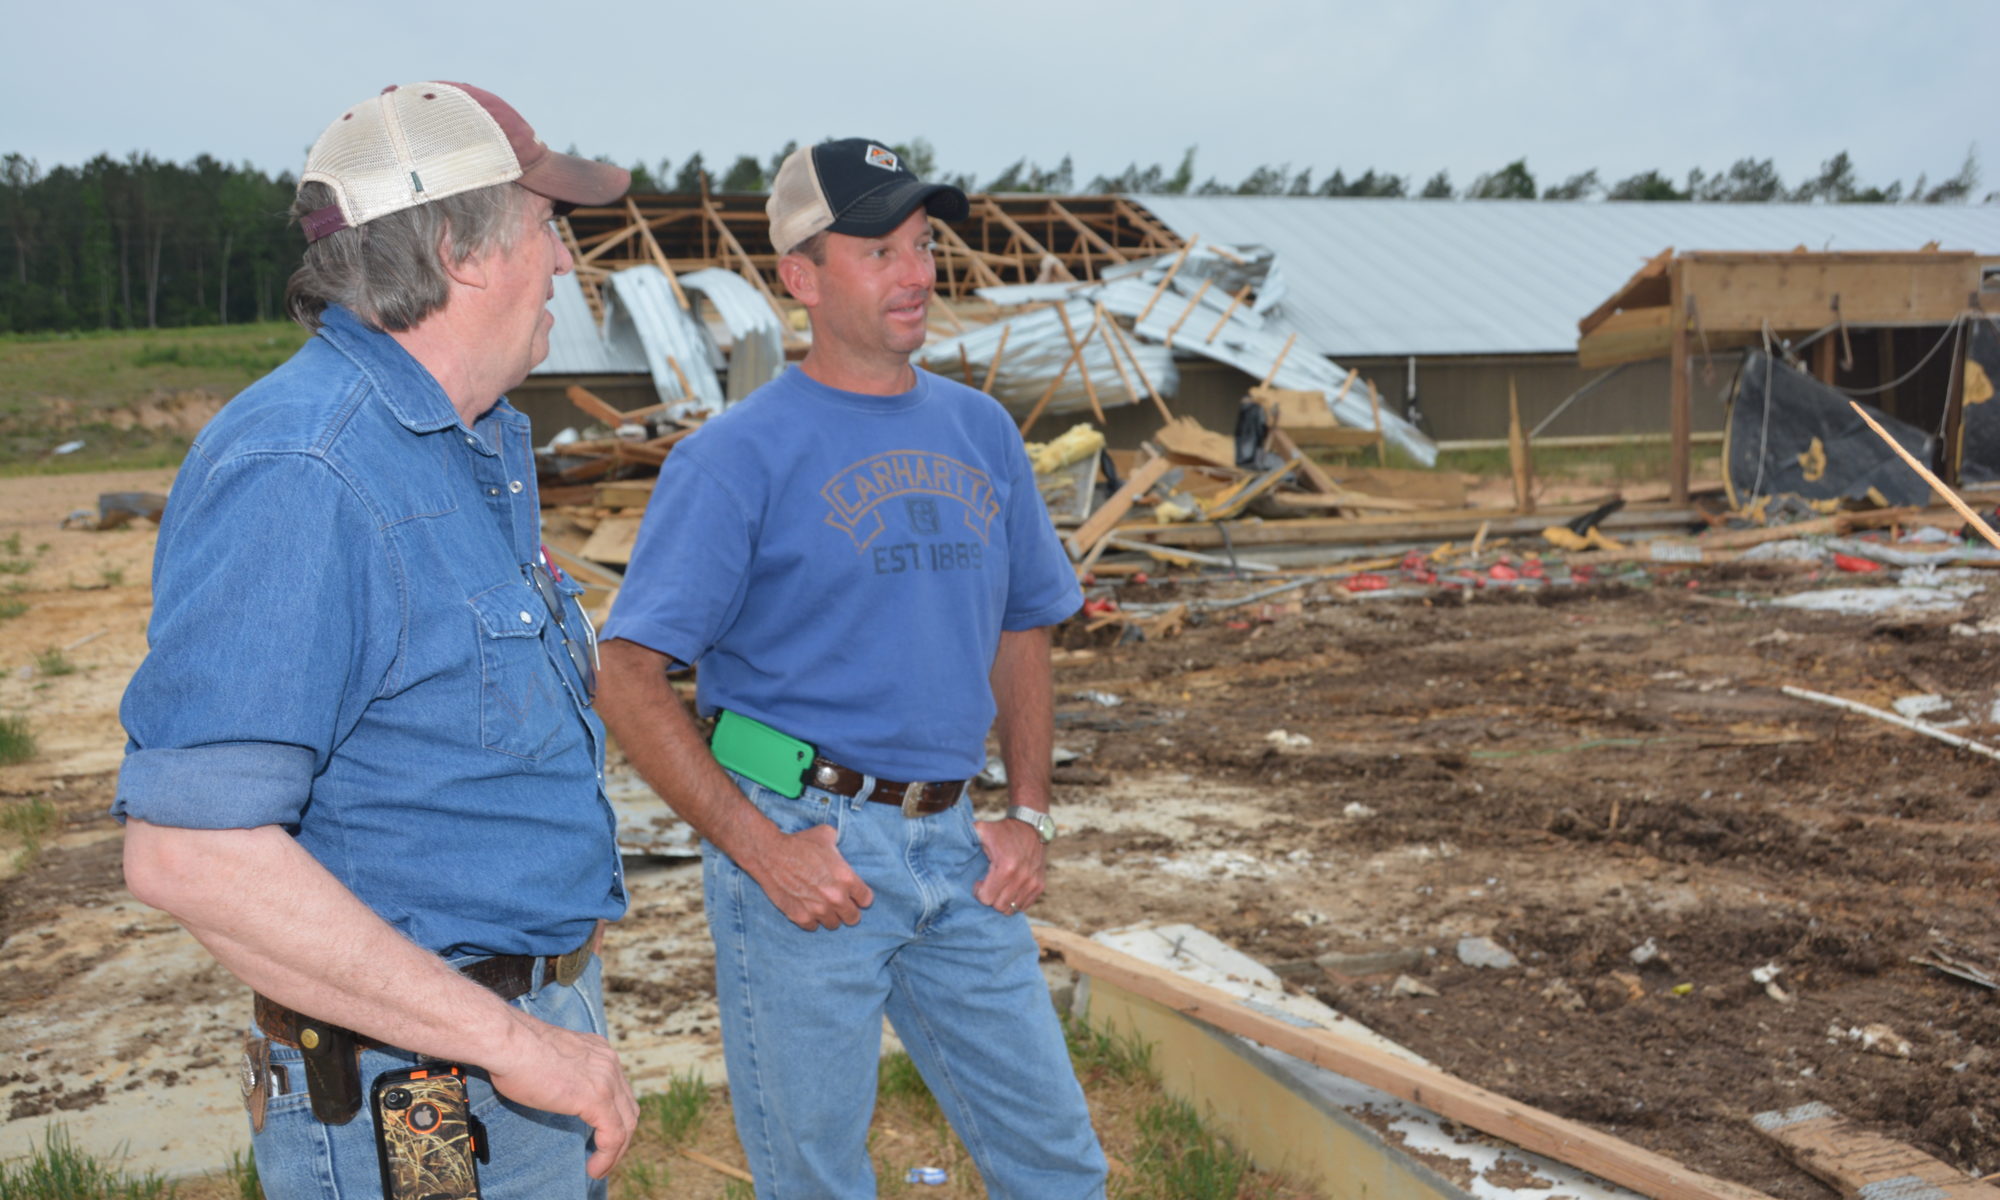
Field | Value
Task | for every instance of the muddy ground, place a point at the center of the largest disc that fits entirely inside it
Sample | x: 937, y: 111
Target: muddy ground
x: 1577, y: 773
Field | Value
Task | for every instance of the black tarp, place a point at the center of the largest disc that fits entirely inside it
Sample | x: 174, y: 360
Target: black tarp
x: 1979, y: 434
x: 1790, y: 434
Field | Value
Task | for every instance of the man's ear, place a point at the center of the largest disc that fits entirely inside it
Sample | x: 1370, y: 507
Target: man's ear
x: 800, y: 278
x: 468, y: 272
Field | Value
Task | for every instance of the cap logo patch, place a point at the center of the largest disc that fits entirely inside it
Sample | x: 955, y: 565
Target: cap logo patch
x: 878, y: 157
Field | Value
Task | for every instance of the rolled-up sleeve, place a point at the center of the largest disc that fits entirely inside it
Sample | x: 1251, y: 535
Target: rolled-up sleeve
x: 276, y: 618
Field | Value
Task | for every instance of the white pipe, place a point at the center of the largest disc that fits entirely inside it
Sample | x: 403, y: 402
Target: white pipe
x: 1949, y: 739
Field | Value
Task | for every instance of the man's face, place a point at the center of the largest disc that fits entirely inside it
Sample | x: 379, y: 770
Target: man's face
x: 522, y: 281
x: 873, y: 293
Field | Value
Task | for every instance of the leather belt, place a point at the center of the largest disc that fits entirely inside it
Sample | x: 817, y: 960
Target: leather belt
x: 505, y: 975
x: 330, y: 1051
x: 917, y: 799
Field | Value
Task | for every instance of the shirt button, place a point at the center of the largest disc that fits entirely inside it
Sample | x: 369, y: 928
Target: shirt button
x: 527, y: 619
x: 470, y: 440
x: 514, y: 486
x: 492, y: 491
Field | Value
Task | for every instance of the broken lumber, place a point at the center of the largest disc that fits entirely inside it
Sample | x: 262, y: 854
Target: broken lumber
x: 1937, y: 485
x: 1113, y: 510
x: 1418, y: 1083
x: 1858, y: 1162
x: 595, y: 407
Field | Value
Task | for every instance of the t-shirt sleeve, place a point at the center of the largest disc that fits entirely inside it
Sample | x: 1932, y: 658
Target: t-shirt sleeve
x: 690, y: 564
x: 276, y: 619
x: 1042, y: 587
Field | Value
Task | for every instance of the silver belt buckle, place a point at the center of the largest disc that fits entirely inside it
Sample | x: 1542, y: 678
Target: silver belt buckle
x: 913, y: 795
x: 569, y: 967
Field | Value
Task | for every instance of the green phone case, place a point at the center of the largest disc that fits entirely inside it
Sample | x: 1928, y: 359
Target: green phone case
x: 750, y: 747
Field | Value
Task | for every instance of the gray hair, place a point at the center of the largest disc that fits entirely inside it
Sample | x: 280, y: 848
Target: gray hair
x: 388, y: 271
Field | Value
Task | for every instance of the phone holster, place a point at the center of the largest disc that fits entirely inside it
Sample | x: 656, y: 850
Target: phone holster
x: 333, y: 1072
x: 755, y: 750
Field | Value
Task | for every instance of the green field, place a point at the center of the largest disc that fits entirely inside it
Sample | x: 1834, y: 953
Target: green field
x: 119, y: 393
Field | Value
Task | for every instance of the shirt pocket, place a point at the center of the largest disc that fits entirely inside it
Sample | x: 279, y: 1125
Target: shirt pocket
x: 520, y: 708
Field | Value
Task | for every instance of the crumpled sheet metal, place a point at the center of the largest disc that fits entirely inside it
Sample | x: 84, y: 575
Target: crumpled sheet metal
x: 644, y: 316
x: 1250, y: 339
x: 1251, y: 344
x: 757, y: 339
x: 1036, y: 349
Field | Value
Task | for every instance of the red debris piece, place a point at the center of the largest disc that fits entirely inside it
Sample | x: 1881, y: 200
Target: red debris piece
x: 1859, y: 566
x: 1238, y: 624
x: 1093, y: 608
x: 1140, y: 577
x: 1501, y: 570
x: 1367, y: 581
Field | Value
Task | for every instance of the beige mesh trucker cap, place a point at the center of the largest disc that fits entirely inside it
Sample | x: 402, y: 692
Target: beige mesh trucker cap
x: 418, y: 142
x: 854, y: 186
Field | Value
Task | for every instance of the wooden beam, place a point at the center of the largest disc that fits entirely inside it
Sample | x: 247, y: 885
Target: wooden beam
x: 1192, y: 304
x: 1156, y: 235
x: 994, y: 212
x: 974, y: 258
x: 1951, y: 445
x: 1133, y: 356
x: 1113, y: 510
x: 1639, y: 289
x: 1280, y: 361
x: 1518, y: 454
x: 1234, y: 302
x: 993, y: 368
x: 1167, y: 279
x: 1318, y: 480
x: 1680, y: 395
x: 1531, y: 1129
x: 659, y: 256
x: 1111, y: 344
x: 594, y: 406
x: 1086, y: 233
x: 1076, y: 352
x: 1375, y: 407
x: 1856, y: 1161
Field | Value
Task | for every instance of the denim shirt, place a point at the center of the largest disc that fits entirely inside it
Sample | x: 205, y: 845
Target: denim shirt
x: 345, y: 643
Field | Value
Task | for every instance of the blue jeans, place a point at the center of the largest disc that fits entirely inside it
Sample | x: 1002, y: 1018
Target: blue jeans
x: 535, y: 1155
x: 802, y: 1012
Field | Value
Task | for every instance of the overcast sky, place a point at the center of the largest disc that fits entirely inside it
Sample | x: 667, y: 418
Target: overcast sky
x: 1405, y: 86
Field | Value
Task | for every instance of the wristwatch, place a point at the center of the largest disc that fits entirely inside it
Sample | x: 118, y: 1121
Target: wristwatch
x: 1044, y: 824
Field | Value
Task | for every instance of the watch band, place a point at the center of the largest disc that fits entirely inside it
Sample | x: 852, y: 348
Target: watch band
x: 1043, y: 824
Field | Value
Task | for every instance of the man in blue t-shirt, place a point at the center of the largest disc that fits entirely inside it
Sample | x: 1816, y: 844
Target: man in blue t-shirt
x: 858, y: 560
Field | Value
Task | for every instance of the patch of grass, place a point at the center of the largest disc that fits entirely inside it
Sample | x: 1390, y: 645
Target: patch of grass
x: 1097, y: 1054
x: 642, y: 1181
x: 17, y: 741
x: 677, y: 1112
x: 11, y: 544
x: 54, y: 662
x: 898, y: 1080
x: 1185, y: 1159
x: 31, y: 821
x: 9, y: 609
x: 242, y: 1175
x: 15, y: 566
x: 111, y: 576
x: 58, y: 1170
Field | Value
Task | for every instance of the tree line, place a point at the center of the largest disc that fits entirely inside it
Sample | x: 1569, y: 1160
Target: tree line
x: 143, y: 243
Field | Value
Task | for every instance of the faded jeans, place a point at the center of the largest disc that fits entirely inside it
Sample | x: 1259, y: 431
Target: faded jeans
x: 535, y: 1155
x: 961, y: 983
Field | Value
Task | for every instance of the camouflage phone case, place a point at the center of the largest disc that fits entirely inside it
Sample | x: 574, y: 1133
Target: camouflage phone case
x: 426, y: 1135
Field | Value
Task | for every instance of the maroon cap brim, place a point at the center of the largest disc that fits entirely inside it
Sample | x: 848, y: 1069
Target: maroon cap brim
x: 573, y: 180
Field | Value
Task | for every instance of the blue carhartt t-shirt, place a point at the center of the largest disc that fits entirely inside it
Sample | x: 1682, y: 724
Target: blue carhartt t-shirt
x: 841, y: 565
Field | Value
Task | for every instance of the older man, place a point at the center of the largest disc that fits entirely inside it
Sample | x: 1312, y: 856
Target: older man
x: 858, y: 560
x: 363, y: 766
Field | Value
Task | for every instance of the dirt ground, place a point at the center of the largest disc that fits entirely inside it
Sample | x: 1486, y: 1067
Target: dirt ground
x: 1605, y: 780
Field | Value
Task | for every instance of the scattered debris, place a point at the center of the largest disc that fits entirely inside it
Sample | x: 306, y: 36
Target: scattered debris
x: 1406, y: 985
x: 1288, y: 741
x: 1485, y: 952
